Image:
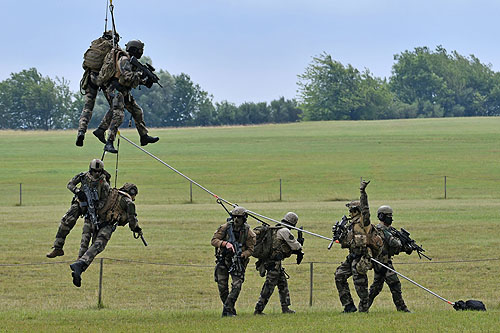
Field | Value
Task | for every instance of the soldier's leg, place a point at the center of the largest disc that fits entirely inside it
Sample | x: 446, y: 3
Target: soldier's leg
x: 377, y: 285
x: 342, y: 273
x: 86, y: 237
x: 116, y: 121
x: 222, y: 277
x: 284, y: 292
x: 394, y: 284
x: 99, y: 244
x: 138, y: 115
x: 88, y: 107
x: 100, y: 131
x: 361, y: 285
x: 272, y: 278
x: 67, y: 223
x: 237, y: 282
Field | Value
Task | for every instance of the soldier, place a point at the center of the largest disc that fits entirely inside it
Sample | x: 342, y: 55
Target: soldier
x: 363, y: 242
x: 125, y: 77
x: 92, y: 64
x: 118, y: 210
x: 96, y: 178
x: 283, y: 246
x: 234, y: 242
x: 392, y: 246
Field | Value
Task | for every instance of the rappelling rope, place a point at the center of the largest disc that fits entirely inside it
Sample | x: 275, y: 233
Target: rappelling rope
x: 249, y: 212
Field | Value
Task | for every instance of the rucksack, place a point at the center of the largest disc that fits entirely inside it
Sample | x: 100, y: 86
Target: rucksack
x: 108, y: 69
x: 264, y: 242
x: 94, y: 56
x: 469, y: 305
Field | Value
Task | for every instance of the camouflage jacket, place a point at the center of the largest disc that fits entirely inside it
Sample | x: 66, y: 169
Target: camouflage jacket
x: 245, y: 236
x: 101, y: 185
x: 392, y: 244
x: 119, y: 208
x: 129, y: 77
x: 284, y: 243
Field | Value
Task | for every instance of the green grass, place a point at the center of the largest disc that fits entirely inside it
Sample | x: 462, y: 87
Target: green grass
x: 320, y: 165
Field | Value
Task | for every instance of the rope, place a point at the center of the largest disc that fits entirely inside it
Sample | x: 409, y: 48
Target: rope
x: 217, y: 197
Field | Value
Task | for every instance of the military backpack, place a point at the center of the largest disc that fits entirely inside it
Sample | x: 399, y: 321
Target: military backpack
x: 264, y: 242
x: 109, y: 67
x: 93, y: 58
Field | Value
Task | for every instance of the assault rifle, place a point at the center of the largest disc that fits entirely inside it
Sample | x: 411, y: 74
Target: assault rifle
x: 92, y: 199
x: 237, y: 267
x: 300, y: 239
x: 339, y: 230
x: 140, y: 234
x: 147, y: 72
x: 407, y: 243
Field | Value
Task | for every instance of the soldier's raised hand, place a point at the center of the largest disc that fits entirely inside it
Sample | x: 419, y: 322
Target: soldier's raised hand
x: 363, y: 185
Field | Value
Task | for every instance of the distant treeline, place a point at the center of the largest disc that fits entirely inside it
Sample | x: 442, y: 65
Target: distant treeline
x: 423, y: 83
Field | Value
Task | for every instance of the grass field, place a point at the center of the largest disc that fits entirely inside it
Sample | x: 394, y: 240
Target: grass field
x: 168, y: 286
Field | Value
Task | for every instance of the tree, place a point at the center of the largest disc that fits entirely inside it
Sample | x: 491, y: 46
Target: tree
x: 284, y: 111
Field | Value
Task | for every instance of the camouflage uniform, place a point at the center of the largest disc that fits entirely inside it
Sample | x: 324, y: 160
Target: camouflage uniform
x: 118, y: 92
x: 119, y: 210
x: 392, y: 246
x: 246, y: 238
x: 283, y: 245
x: 69, y: 219
x: 363, y: 242
x: 90, y: 97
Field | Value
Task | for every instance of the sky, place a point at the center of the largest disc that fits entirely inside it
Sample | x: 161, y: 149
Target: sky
x: 245, y: 50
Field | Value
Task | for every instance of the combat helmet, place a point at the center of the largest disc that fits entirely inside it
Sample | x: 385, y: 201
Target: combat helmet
x: 108, y: 34
x: 353, y: 205
x: 385, y: 209
x: 135, y: 47
x: 290, y: 218
x: 96, y: 165
x: 239, y: 211
x: 129, y: 188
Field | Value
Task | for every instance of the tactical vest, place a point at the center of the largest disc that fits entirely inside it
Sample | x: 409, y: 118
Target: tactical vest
x: 93, y: 58
x: 241, y: 238
x: 92, y: 183
x: 359, y: 237
x: 113, y: 212
x: 387, y: 251
x: 110, y: 67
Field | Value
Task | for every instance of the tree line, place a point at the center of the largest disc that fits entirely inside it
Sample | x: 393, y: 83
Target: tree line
x: 423, y: 83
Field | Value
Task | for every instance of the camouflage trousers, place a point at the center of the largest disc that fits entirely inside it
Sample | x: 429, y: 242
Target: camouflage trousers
x: 382, y: 275
x: 86, y: 237
x: 67, y: 223
x: 114, y: 118
x: 343, y: 272
x: 274, y: 277
x: 99, y: 243
x: 222, y: 278
x: 89, y: 102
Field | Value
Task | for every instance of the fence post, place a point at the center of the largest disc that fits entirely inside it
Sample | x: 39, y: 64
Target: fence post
x: 20, y: 194
x: 311, y: 269
x: 445, y: 187
x: 99, y: 301
x: 191, y: 192
x: 280, y: 189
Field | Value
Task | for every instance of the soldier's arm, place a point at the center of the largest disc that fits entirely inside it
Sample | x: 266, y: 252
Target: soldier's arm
x: 365, y: 208
x: 131, y: 214
x: 130, y: 77
x: 287, y: 236
x: 250, y: 244
x: 218, y: 238
x: 72, y: 185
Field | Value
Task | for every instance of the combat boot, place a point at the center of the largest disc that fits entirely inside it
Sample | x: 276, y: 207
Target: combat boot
x: 286, y: 309
x: 258, y: 312
x: 405, y: 309
x: 145, y: 139
x: 350, y: 308
x: 79, y: 138
x: 56, y: 252
x: 78, y: 268
x: 226, y: 312
x: 110, y: 148
x: 99, y: 133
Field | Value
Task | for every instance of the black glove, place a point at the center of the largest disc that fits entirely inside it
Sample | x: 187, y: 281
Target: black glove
x: 137, y: 230
x: 81, y: 196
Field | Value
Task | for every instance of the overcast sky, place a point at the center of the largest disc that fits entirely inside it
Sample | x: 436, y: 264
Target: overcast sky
x: 245, y: 50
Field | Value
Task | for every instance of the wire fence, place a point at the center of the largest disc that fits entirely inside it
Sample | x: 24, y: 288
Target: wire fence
x: 311, y: 267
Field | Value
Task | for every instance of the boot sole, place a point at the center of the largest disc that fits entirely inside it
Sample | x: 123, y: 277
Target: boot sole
x: 77, y: 279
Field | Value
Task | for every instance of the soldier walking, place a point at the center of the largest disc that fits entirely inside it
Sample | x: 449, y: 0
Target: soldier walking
x: 363, y: 242
x: 96, y: 179
x: 234, y: 243
x: 392, y: 246
x: 283, y: 246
